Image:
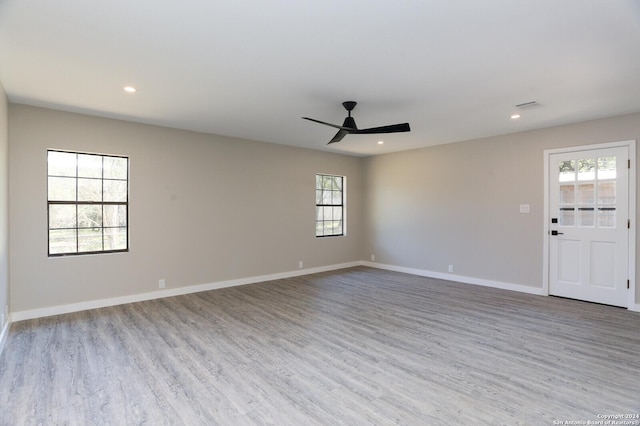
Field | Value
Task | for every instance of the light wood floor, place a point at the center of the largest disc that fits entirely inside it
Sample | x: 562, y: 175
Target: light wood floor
x: 357, y: 346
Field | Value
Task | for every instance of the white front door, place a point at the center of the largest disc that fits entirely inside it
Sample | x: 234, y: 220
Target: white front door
x: 589, y: 213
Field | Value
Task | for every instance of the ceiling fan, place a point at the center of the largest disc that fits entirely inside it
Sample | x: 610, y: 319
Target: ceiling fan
x: 349, y: 126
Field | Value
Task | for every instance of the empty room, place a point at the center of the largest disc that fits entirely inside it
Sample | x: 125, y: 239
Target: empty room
x: 239, y: 213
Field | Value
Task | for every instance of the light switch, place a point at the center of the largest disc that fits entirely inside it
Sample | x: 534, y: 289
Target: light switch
x: 525, y: 208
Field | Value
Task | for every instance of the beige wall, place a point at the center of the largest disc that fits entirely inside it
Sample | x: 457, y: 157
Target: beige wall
x: 4, y: 210
x: 207, y: 208
x: 459, y: 203
x: 203, y: 209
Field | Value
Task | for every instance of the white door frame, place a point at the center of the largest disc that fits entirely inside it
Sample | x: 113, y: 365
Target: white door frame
x: 631, y: 144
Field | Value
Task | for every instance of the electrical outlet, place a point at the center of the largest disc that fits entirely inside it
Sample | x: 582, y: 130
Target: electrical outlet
x: 450, y: 268
x: 300, y: 264
x: 161, y: 283
x: 373, y: 257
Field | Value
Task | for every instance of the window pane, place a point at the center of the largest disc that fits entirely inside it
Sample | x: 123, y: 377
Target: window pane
x: 587, y: 169
x: 319, y: 213
x: 89, y: 190
x: 62, y: 216
x: 567, y: 171
x: 607, y: 192
x: 606, y: 218
x: 337, y: 198
x: 115, y: 215
x: 334, y: 183
x: 586, y: 217
x: 61, y: 163
x: 586, y: 193
x: 337, y: 228
x: 328, y: 229
x: 115, y: 190
x: 326, y: 182
x: 116, y: 168
x: 318, y: 196
x: 567, y: 217
x: 89, y: 166
x: 115, y: 238
x: 90, y: 216
x: 319, y: 229
x: 62, y: 241
x: 327, y: 197
x: 90, y: 239
x: 337, y: 213
x: 338, y: 183
x: 328, y: 213
x: 607, y: 168
x: 61, y: 189
x: 567, y: 194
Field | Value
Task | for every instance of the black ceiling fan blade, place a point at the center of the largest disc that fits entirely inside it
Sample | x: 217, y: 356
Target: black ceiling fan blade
x: 338, y: 137
x: 393, y: 128
x: 327, y: 124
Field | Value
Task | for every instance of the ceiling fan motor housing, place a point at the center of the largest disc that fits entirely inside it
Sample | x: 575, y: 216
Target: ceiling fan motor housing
x: 349, y: 105
x: 350, y: 122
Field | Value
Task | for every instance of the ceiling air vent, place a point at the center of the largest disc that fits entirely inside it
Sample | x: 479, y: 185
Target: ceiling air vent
x: 528, y: 105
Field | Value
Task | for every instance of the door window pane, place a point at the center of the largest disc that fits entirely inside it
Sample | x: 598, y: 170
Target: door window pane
x: 567, y: 194
x: 567, y: 217
x: 567, y: 171
x: 607, y: 192
x: 587, y: 169
x: 607, y: 217
x: 586, y: 193
x: 586, y: 217
x: 607, y: 168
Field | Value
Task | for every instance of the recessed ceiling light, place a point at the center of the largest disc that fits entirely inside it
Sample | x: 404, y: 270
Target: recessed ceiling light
x: 380, y: 142
x: 130, y: 89
x: 515, y: 116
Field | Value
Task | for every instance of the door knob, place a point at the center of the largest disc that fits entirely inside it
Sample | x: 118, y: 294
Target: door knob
x: 557, y: 233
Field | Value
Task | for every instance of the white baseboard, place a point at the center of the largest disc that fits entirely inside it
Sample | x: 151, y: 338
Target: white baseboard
x: 459, y: 278
x: 4, y: 333
x: 103, y: 303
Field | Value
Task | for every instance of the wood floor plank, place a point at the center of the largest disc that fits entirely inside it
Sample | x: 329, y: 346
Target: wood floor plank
x: 356, y: 346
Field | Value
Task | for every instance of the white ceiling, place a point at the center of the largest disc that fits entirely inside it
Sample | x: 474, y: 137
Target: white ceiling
x: 454, y: 69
